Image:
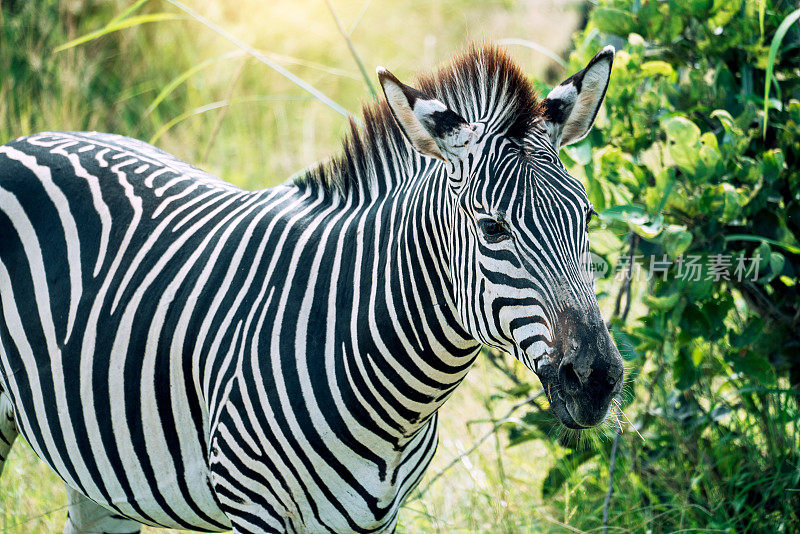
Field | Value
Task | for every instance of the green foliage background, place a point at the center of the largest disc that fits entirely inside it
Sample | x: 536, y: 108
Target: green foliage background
x: 691, y: 160
x: 687, y: 159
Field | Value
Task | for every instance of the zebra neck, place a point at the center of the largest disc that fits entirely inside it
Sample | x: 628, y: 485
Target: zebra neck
x: 407, y: 337
x: 356, y: 332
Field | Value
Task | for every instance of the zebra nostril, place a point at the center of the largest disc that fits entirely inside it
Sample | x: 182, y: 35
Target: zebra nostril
x: 570, y: 379
x: 612, y: 379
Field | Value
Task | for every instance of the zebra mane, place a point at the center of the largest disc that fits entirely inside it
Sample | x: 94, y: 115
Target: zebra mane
x: 482, y: 83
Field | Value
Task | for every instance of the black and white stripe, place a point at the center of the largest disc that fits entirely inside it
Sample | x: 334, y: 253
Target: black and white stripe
x: 191, y: 355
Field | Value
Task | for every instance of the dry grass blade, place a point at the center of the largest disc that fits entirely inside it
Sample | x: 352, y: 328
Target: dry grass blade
x: 497, y: 424
x: 534, y: 46
x: 128, y: 11
x: 357, y: 20
x: 224, y: 111
x: 261, y: 57
x: 182, y: 77
x: 351, y: 46
x: 616, y: 416
x: 619, y: 409
x: 217, y: 105
x: 33, y: 518
x: 116, y: 26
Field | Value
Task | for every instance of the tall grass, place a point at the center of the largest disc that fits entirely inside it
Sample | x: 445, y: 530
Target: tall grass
x: 271, y: 128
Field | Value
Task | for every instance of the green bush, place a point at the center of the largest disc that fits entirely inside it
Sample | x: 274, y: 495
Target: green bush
x: 691, y: 168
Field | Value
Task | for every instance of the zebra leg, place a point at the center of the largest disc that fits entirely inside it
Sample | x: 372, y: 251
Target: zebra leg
x: 8, y: 428
x: 87, y: 517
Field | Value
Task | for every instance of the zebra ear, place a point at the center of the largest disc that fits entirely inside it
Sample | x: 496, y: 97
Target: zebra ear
x: 570, y: 108
x: 432, y: 128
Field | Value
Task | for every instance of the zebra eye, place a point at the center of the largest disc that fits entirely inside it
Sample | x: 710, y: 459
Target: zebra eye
x: 494, y: 231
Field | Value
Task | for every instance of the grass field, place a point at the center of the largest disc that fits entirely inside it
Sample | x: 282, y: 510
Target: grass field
x: 223, y: 110
x: 178, y: 84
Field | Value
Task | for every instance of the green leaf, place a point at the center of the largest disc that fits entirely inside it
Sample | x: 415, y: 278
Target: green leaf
x: 710, y: 157
x: 651, y: 158
x: 613, y: 20
x: 580, y: 153
x: 762, y: 254
x: 735, y: 139
x: 695, y: 321
x: 646, y: 227
x: 773, y: 54
x: 683, y: 137
x: 723, y: 11
x: 517, y: 435
x: 749, y: 335
x: 776, y: 263
x: 536, y: 424
x: 563, y: 469
x: 651, y: 68
x: 700, y: 8
x: 684, y: 369
x: 697, y: 356
x: 539, y: 419
x: 725, y: 201
x: 621, y: 213
x: 700, y: 289
x: 662, y: 303
x: 604, y: 242
x: 754, y: 366
x: 676, y: 240
x: 772, y: 164
x: 742, y: 237
x: 637, y: 219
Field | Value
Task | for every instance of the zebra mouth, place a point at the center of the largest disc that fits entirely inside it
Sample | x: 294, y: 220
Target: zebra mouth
x: 561, y: 409
x: 558, y: 404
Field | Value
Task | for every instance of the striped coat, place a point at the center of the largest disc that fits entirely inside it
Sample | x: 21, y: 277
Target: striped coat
x: 187, y: 354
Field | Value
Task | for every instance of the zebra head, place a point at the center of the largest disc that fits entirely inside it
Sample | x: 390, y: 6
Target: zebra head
x: 516, y: 233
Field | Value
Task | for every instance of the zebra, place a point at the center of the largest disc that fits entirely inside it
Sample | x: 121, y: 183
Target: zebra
x: 187, y: 354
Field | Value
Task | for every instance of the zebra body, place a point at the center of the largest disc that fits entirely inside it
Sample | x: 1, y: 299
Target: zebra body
x: 195, y: 312
x: 187, y: 354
